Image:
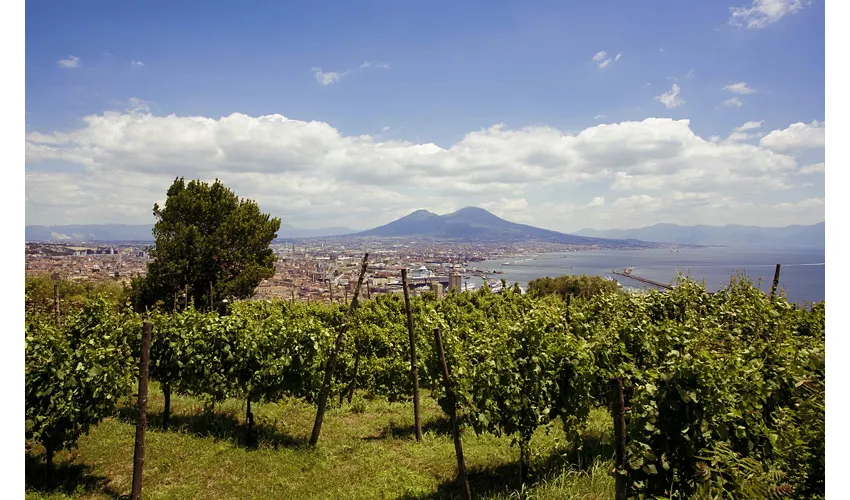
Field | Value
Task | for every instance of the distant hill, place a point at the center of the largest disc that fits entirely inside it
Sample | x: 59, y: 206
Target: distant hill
x: 93, y: 232
x: 472, y: 223
x: 144, y: 232
x: 286, y: 232
x: 733, y: 235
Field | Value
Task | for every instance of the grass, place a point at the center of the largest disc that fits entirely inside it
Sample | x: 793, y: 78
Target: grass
x: 367, y: 450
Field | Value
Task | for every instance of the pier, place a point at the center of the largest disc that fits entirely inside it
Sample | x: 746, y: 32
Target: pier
x: 628, y: 274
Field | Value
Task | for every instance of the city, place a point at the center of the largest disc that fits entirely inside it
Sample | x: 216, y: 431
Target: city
x: 323, y: 270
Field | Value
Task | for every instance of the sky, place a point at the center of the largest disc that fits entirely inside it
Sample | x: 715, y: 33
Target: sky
x: 564, y: 115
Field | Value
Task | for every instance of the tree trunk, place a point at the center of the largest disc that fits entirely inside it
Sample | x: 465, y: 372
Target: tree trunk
x: 523, y: 461
x: 166, y: 412
x: 619, y: 414
x: 354, y: 377
x: 249, y: 417
x: 48, y: 458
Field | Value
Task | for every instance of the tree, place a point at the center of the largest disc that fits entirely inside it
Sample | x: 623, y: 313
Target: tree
x: 207, y: 241
x: 577, y: 286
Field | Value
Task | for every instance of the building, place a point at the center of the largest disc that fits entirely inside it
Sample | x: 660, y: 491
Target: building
x: 422, y: 272
x: 455, y: 282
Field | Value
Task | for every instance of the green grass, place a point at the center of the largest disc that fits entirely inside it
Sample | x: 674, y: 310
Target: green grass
x: 366, y: 450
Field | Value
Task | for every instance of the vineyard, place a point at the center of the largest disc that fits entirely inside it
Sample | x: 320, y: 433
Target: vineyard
x: 708, y: 395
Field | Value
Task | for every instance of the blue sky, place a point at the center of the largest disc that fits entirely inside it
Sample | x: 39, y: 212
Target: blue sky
x: 575, y: 148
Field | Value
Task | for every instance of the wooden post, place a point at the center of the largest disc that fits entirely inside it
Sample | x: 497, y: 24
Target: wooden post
x: 56, y: 302
x: 346, y: 296
x: 329, y: 371
x: 775, y: 281
x: 293, y: 296
x: 354, y: 377
x: 461, y: 467
x: 186, y: 299
x: 619, y: 438
x: 331, y: 289
x: 139, y: 453
x: 569, y: 300
x: 211, y: 295
x: 413, y: 370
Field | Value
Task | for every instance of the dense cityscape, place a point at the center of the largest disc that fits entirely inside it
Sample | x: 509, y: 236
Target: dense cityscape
x: 314, y: 269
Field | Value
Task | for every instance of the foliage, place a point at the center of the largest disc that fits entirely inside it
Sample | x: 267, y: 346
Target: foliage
x: 72, y: 293
x: 75, y: 375
x: 725, y: 391
x: 206, y: 235
x: 582, y: 286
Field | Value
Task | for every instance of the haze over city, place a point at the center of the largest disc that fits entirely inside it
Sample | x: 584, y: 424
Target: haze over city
x: 566, y: 116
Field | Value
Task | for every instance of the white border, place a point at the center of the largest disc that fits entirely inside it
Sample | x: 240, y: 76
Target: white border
x: 12, y: 141
x: 838, y: 435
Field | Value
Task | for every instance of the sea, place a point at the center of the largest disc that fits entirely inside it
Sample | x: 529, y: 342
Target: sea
x: 802, y: 271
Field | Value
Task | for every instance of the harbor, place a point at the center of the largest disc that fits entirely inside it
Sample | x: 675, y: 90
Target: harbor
x: 628, y: 274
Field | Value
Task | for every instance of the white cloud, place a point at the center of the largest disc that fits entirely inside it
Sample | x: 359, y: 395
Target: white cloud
x: 137, y: 63
x: 70, y: 62
x: 762, y: 13
x: 671, y: 98
x: 137, y: 105
x: 817, y: 168
x: 374, y: 64
x: 739, y: 88
x: 313, y: 175
x: 752, y: 125
x: 809, y: 203
x: 733, y: 102
x: 797, y: 136
x: 325, y: 78
x: 690, y: 74
x: 603, y: 61
x: 598, y: 117
x: 740, y: 133
x: 385, y: 129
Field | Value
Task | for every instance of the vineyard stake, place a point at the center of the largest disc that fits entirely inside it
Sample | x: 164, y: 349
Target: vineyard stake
x: 619, y: 438
x: 329, y: 371
x: 775, y: 281
x: 354, y: 378
x: 461, y: 468
x: 139, y: 453
x: 413, y: 373
x: 211, y: 295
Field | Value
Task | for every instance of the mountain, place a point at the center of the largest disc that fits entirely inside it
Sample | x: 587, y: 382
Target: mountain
x: 94, y: 232
x: 812, y: 236
x: 472, y: 223
x: 288, y: 232
x: 144, y: 232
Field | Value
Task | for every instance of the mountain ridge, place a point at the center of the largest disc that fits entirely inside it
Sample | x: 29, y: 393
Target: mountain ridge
x: 144, y: 232
x: 796, y: 235
x: 474, y: 223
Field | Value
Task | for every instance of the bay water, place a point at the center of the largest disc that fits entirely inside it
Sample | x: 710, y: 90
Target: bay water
x: 802, y: 274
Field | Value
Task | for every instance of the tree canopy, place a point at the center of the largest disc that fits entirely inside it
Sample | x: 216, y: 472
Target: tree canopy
x: 206, y: 235
x: 577, y: 286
